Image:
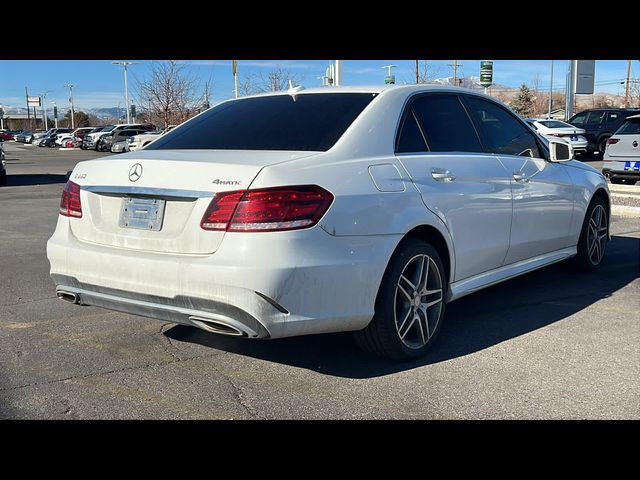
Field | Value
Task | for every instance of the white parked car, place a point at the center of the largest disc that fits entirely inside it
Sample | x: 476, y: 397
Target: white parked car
x: 557, y: 128
x: 622, y: 154
x: 138, y: 142
x: 332, y: 209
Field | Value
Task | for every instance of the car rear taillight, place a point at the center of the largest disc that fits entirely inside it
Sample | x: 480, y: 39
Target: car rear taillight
x: 70, y: 205
x: 267, y: 209
x: 613, y: 141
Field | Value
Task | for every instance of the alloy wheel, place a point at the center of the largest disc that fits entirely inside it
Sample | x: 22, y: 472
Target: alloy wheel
x: 418, y: 301
x: 597, y: 234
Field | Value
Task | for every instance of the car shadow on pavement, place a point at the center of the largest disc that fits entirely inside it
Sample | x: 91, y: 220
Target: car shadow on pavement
x: 34, y: 179
x: 473, y: 323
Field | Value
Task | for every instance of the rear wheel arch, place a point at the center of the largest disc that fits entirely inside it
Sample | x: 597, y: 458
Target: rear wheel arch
x: 435, y: 238
x: 603, y: 137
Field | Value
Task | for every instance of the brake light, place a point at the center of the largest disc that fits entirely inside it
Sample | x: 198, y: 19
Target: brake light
x: 267, y: 209
x: 70, y: 205
x: 613, y: 141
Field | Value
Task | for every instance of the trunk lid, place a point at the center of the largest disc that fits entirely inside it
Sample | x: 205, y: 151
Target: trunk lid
x: 179, y: 184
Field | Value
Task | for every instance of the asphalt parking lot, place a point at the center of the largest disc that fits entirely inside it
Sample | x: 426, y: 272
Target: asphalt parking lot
x: 554, y: 344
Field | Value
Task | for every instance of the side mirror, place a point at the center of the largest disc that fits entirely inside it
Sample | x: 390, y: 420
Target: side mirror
x: 560, y: 151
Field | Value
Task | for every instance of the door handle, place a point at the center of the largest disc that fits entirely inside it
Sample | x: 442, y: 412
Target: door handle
x: 520, y: 177
x: 441, y: 175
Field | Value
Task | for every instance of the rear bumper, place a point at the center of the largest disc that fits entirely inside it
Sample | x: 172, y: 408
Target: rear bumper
x: 621, y: 169
x: 267, y: 285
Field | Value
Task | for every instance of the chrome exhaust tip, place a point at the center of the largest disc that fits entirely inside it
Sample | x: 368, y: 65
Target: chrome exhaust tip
x: 68, y: 297
x: 216, y: 326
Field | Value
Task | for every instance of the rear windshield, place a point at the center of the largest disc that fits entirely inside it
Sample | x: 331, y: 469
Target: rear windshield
x: 554, y: 124
x: 631, y: 126
x: 306, y: 122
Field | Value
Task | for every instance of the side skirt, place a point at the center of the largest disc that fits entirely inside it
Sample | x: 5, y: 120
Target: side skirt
x: 469, y: 285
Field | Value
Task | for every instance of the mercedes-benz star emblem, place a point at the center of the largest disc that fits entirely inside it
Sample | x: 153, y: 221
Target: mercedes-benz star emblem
x: 135, y: 173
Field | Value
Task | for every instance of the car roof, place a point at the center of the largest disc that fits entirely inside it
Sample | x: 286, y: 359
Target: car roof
x: 633, y: 117
x: 410, y: 88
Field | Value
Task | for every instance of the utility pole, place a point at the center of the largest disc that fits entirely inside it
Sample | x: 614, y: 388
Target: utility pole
x: 455, y: 66
x: 126, y: 87
x: 626, y: 90
x: 44, y: 108
x: 73, y: 112
x: 550, y: 91
x: 417, y: 71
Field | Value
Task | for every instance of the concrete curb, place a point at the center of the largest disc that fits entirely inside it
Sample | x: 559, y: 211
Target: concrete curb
x: 625, y: 211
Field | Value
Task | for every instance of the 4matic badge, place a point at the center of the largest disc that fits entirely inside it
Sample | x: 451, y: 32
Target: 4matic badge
x: 218, y: 181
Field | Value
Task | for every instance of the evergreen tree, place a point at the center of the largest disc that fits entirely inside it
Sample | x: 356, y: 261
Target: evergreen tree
x: 523, y: 103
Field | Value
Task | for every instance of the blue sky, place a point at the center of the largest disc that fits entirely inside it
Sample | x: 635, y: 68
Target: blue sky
x: 98, y: 83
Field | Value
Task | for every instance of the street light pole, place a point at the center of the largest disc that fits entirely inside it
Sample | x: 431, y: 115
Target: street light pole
x: 126, y: 87
x: 73, y: 113
x: 550, y: 91
x: 44, y: 108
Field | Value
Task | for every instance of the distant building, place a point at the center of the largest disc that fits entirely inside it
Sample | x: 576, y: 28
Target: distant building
x: 18, y: 121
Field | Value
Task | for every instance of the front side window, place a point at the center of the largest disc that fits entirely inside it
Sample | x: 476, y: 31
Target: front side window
x: 445, y: 124
x: 579, y: 119
x: 502, y: 132
x: 303, y: 122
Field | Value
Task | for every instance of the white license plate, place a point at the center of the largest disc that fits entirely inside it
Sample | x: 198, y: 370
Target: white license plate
x: 142, y: 213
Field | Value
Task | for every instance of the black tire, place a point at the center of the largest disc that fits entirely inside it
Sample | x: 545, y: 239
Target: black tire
x: 382, y: 336
x: 602, y: 145
x: 585, y: 260
x: 617, y: 181
x: 3, y: 178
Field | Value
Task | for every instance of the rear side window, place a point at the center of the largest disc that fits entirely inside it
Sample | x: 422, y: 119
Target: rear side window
x: 445, y: 124
x: 613, y: 117
x: 502, y: 132
x: 305, y: 122
x: 410, y: 139
x: 630, y: 127
x: 595, y: 118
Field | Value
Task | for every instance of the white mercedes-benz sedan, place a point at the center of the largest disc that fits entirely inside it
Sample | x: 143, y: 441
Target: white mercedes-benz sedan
x: 362, y: 209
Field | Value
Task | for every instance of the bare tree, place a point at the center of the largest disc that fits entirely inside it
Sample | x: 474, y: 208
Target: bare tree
x: 426, y: 72
x: 169, y: 92
x: 274, y: 81
x: 540, y: 98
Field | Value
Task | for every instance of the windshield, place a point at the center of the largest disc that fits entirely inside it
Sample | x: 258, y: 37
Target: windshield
x: 304, y: 122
